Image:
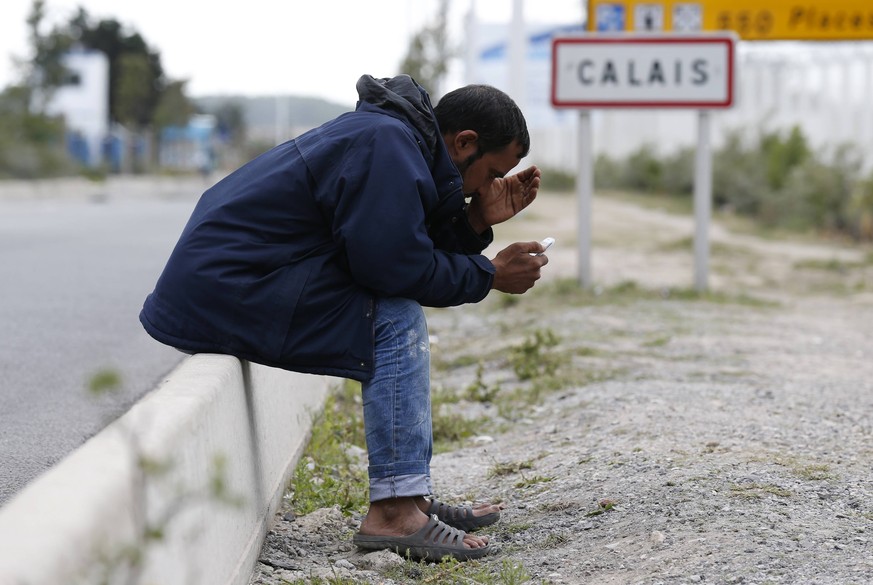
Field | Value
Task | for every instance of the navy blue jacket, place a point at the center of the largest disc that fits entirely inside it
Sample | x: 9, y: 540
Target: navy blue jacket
x: 280, y: 261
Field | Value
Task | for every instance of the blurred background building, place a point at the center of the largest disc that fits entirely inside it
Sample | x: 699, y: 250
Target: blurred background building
x: 83, y: 101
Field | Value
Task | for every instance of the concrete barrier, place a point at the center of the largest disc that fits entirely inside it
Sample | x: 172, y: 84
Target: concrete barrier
x: 179, y: 490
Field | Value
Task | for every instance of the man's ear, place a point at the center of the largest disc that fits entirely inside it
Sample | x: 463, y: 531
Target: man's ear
x: 463, y: 144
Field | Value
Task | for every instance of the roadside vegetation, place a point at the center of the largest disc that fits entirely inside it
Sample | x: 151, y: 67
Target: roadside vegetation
x: 774, y: 178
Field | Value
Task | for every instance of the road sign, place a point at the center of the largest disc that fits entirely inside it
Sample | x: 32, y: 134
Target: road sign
x: 644, y: 71
x: 649, y: 17
x: 610, y: 18
x: 833, y: 20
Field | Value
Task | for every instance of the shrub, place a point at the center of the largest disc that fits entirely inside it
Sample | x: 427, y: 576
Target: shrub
x: 781, y: 156
x: 31, y: 145
x: 860, y: 209
x: 643, y: 171
x: 678, y: 172
x: 554, y: 179
x: 739, y: 180
x: 818, y: 194
x: 607, y: 173
x: 774, y: 178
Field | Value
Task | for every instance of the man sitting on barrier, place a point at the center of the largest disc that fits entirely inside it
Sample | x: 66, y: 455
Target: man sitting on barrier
x: 318, y: 256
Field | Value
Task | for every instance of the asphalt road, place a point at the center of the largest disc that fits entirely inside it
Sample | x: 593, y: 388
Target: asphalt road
x: 73, y: 276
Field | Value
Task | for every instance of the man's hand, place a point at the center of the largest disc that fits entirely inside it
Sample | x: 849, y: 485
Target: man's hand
x: 516, y: 270
x: 503, y: 198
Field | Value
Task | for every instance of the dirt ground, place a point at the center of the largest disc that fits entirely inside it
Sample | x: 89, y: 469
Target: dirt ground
x: 726, y: 438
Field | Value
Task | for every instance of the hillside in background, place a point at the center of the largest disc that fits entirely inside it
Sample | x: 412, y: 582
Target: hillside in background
x: 288, y: 114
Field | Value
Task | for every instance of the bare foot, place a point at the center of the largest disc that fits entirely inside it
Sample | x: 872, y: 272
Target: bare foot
x: 402, y: 517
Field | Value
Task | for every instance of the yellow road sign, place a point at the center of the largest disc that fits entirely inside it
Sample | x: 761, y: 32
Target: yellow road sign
x: 830, y: 20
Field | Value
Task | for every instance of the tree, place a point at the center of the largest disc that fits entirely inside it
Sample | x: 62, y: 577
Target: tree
x: 136, y: 76
x: 174, y: 107
x: 31, y: 144
x: 45, y: 71
x: 231, y: 122
x: 132, y: 95
x: 427, y: 58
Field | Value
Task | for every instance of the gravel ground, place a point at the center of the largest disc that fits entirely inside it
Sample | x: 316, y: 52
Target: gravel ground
x: 724, y: 439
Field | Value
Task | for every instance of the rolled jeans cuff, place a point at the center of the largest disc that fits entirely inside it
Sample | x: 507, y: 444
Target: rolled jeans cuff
x: 400, y: 486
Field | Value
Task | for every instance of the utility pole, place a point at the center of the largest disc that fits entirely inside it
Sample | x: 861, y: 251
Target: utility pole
x: 471, y: 51
x: 517, y: 44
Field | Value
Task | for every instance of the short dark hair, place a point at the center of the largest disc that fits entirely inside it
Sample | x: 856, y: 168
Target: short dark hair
x: 486, y: 110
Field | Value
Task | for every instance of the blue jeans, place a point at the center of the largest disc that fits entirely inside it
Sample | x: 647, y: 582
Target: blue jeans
x: 397, y: 416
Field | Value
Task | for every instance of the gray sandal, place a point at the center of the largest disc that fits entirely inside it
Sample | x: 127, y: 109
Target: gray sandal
x: 434, y: 542
x: 461, y: 517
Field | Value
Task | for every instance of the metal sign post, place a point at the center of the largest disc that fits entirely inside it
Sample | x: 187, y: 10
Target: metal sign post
x: 702, y: 199
x: 585, y: 187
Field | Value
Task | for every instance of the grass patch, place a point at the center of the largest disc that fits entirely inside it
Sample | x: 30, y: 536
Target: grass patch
x: 452, y: 572
x: 331, y: 472
x: 686, y: 244
x: 759, y: 490
x: 567, y: 291
x: 603, y: 506
x: 106, y: 381
x: 462, y: 361
x: 812, y: 472
x: 831, y: 265
x: 720, y: 298
x: 335, y: 580
x: 533, y: 480
x: 800, y: 469
x: 661, y: 202
x: 479, y: 391
x: 657, y: 341
x: 531, y: 359
x: 556, y: 539
x: 450, y: 429
x: 502, y: 469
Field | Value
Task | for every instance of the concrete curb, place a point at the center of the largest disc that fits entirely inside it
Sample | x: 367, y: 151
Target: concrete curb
x: 179, y: 490
x: 114, y: 187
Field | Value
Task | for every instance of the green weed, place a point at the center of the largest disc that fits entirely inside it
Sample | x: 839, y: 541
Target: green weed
x: 104, y: 382
x: 758, y: 490
x: 530, y: 359
x: 556, y: 539
x: 331, y: 472
x: 603, y: 506
x: 533, y: 480
x: 501, y: 469
x: 568, y: 292
x: 813, y: 472
x: 450, y: 429
x: 831, y: 265
x: 479, y: 391
x: 453, y: 572
x: 313, y: 580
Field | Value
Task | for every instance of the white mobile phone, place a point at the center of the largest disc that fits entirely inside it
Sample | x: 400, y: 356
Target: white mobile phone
x: 546, y: 244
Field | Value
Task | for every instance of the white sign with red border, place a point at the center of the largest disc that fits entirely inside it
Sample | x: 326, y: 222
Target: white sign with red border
x: 643, y: 71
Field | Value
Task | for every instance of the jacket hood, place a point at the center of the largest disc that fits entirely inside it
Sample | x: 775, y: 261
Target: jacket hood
x: 403, y: 95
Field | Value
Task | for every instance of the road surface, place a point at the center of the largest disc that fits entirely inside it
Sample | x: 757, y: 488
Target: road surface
x: 74, y: 272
